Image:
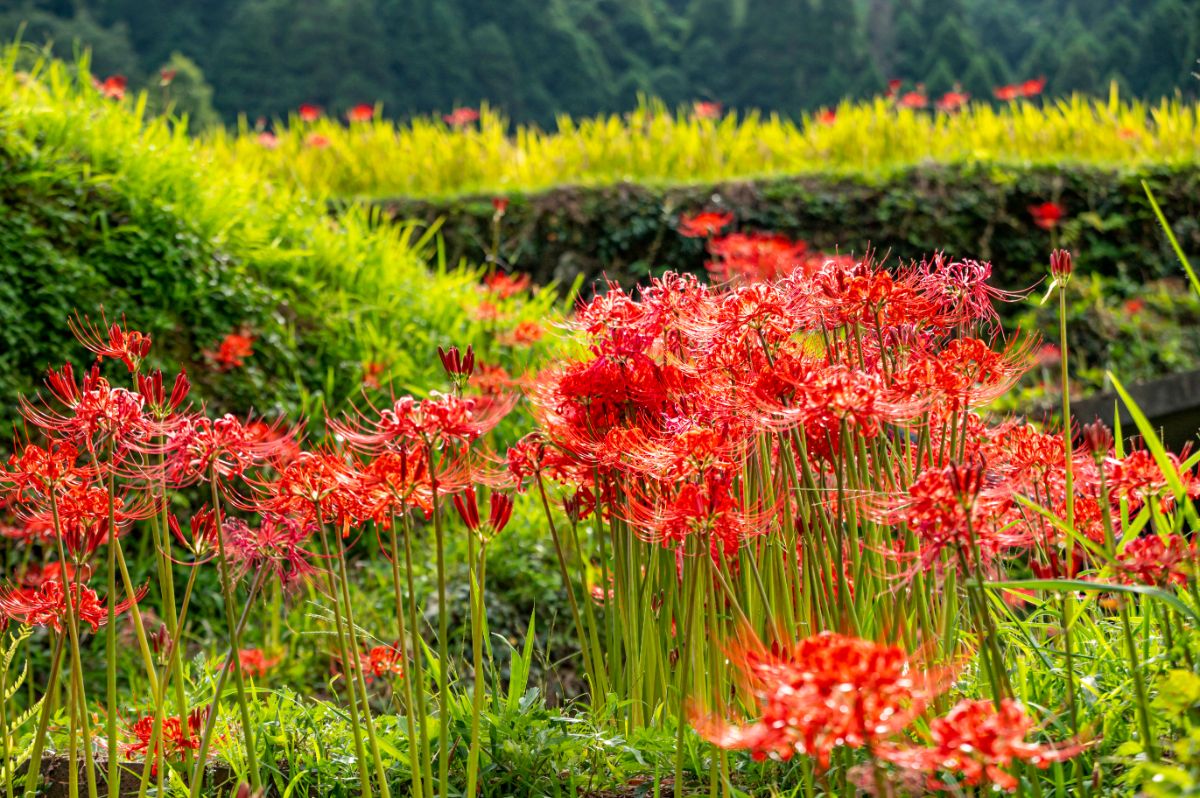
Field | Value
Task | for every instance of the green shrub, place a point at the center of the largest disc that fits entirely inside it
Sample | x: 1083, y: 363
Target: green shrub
x: 101, y: 208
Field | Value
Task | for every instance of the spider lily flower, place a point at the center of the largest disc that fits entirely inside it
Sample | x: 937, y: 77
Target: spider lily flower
x: 705, y: 109
x: 254, y: 662
x: 382, y: 661
x: 46, y: 605
x: 178, y: 736
x: 456, y: 363
x: 309, y: 112
x: 826, y: 692
x: 1047, y: 215
x: 461, y: 117
x: 118, y: 342
x: 703, y: 225
x: 157, y: 401
x: 113, y: 87
x: 978, y: 743
x: 362, y: 112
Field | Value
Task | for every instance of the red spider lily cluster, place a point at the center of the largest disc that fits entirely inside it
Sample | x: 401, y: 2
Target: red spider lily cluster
x: 1027, y: 89
x: 109, y: 457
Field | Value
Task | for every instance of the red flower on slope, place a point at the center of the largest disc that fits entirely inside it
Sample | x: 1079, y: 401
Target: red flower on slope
x: 361, y: 113
x: 382, y: 661
x: 113, y: 87
x: 461, y: 117
x: 233, y: 350
x: 705, y: 224
x: 704, y: 109
x: 309, y: 113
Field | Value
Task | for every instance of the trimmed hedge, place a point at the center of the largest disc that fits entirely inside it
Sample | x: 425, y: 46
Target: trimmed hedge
x: 626, y: 231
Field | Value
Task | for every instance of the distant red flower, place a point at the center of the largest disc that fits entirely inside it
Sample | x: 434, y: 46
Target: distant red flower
x: 309, y: 113
x: 1032, y: 88
x: 114, y: 87
x: 268, y: 140
x: 254, y: 662
x: 526, y: 333
x: 826, y: 116
x: 499, y: 206
x: 113, y: 341
x: 166, y: 76
x: 382, y: 661
x: 1134, y: 306
x: 914, y: 99
x: 371, y: 372
x: 1127, y: 134
x: 952, y: 101
x: 505, y: 286
x: 893, y: 87
x: 704, y: 224
x: 1047, y: 215
x: 1006, y: 93
x: 977, y: 743
x: 318, y: 141
x: 361, y: 113
x: 461, y: 117
x: 233, y: 350
x: 704, y: 109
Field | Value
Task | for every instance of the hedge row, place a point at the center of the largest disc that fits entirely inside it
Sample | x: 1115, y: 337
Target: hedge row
x: 626, y: 231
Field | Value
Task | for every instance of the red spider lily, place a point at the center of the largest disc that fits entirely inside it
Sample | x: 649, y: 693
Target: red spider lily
x: 371, y: 372
x: 34, y: 471
x: 962, y: 289
x: 166, y: 77
x: 914, y: 100
x: 1156, y: 561
x: 152, y: 391
x: 1139, y: 480
x: 316, y: 487
x: 499, y: 206
x: 705, y: 109
x: 268, y: 140
x: 1060, y: 265
x: 275, y: 546
x: 1033, y: 87
x: 36, y: 574
x: 197, y: 447
x: 233, y: 350
x: 893, y: 86
x: 955, y: 508
x: 1134, y: 306
x: 361, y: 113
x: 83, y: 515
x: 113, y: 87
x: 254, y: 662
x: 382, y: 661
x: 441, y: 417
x: 456, y: 363
x: 1006, y: 93
x: 309, y: 113
x: 318, y: 141
x: 977, y: 743
x: 394, y: 482
x: 501, y: 507
x: 755, y: 256
x: 705, y: 224
x: 826, y: 116
x: 504, y: 286
x: 952, y: 101
x: 202, y: 542
x: 118, y: 343
x: 1047, y: 215
x: 526, y: 333
x: 486, y: 311
x: 93, y: 412
x: 491, y: 380
x: 461, y: 117
x: 177, y: 736
x: 46, y: 605
x: 825, y: 692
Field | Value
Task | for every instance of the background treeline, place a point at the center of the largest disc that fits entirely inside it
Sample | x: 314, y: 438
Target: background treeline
x: 537, y: 58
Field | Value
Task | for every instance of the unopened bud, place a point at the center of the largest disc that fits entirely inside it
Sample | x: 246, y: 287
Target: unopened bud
x: 1060, y: 265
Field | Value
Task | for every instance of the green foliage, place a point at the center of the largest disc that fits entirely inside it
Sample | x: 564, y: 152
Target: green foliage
x: 536, y: 60
x: 102, y: 209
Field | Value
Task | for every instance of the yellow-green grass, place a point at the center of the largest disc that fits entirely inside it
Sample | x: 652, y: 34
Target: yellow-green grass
x: 425, y: 157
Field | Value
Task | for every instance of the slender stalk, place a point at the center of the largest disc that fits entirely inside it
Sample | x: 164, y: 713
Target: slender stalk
x: 215, y: 708
x: 417, y: 764
x: 33, y: 776
x: 443, y: 634
x: 476, y: 569
x: 234, y: 630
x: 418, y: 660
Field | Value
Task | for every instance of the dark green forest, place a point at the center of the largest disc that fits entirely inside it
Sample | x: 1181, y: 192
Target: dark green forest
x: 538, y: 58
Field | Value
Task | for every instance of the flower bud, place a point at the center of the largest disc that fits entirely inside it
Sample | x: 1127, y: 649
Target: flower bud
x: 1060, y: 265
